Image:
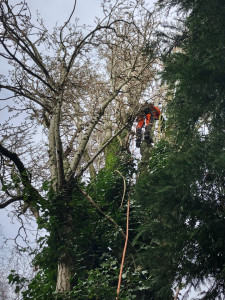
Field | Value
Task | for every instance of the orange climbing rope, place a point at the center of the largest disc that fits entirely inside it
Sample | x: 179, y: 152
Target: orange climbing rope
x: 124, y: 250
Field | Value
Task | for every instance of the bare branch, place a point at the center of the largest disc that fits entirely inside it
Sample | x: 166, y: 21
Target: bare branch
x: 95, y: 205
x: 25, y: 67
x: 61, y: 31
x: 25, y: 179
x: 24, y: 43
x: 14, y: 199
x: 99, y: 152
x: 24, y: 93
x: 83, y: 41
x: 95, y: 120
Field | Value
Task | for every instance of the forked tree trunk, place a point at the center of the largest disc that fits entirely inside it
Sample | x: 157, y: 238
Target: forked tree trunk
x: 63, y: 277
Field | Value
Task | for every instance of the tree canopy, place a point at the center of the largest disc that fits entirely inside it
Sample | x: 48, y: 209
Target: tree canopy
x: 184, y: 188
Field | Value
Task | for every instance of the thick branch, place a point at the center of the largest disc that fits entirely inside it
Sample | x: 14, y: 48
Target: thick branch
x: 52, y: 154
x: 14, y: 199
x: 55, y: 148
x: 70, y: 147
x: 20, y: 166
x: 58, y: 144
x: 92, y: 170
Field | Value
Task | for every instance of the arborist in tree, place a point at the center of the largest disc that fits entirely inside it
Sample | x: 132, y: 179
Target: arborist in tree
x: 146, y: 116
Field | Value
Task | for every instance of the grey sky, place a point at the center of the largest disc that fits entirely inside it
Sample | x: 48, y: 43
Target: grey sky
x: 54, y: 11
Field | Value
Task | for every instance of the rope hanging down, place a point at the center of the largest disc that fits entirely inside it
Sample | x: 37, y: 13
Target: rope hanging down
x: 124, y: 250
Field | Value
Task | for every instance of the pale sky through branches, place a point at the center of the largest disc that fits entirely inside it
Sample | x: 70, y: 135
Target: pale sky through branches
x: 52, y: 12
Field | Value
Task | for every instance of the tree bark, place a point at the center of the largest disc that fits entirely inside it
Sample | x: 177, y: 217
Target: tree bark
x: 145, y: 150
x: 63, y: 277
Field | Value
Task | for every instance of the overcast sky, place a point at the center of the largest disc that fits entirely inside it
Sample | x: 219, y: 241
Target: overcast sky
x: 54, y: 11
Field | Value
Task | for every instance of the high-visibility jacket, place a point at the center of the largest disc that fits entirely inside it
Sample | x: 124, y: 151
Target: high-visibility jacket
x: 156, y: 112
x: 149, y: 109
x: 148, y: 112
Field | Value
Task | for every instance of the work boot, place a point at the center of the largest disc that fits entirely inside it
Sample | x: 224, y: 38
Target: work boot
x: 138, y: 137
x: 147, y: 135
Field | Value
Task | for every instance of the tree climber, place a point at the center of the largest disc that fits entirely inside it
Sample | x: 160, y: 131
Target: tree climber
x: 146, y: 115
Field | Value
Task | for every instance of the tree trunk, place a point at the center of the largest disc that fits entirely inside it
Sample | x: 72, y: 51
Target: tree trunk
x: 65, y: 235
x: 145, y: 150
x: 63, y: 277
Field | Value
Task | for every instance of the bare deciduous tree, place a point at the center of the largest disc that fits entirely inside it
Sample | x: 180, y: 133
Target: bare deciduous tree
x: 62, y: 90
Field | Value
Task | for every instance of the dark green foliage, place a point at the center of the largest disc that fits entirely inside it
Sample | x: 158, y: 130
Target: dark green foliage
x: 15, y: 279
x: 41, y: 287
x: 94, y: 246
x: 183, y: 190
x: 185, y: 5
x: 108, y: 187
x: 197, y: 72
x: 101, y: 282
x: 184, y: 217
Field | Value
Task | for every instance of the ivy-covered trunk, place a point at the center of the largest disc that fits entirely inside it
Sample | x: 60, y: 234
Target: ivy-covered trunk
x: 62, y: 238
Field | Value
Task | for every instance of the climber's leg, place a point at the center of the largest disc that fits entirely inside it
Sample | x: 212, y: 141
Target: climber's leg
x: 138, y: 137
x: 139, y: 132
x: 148, y: 128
